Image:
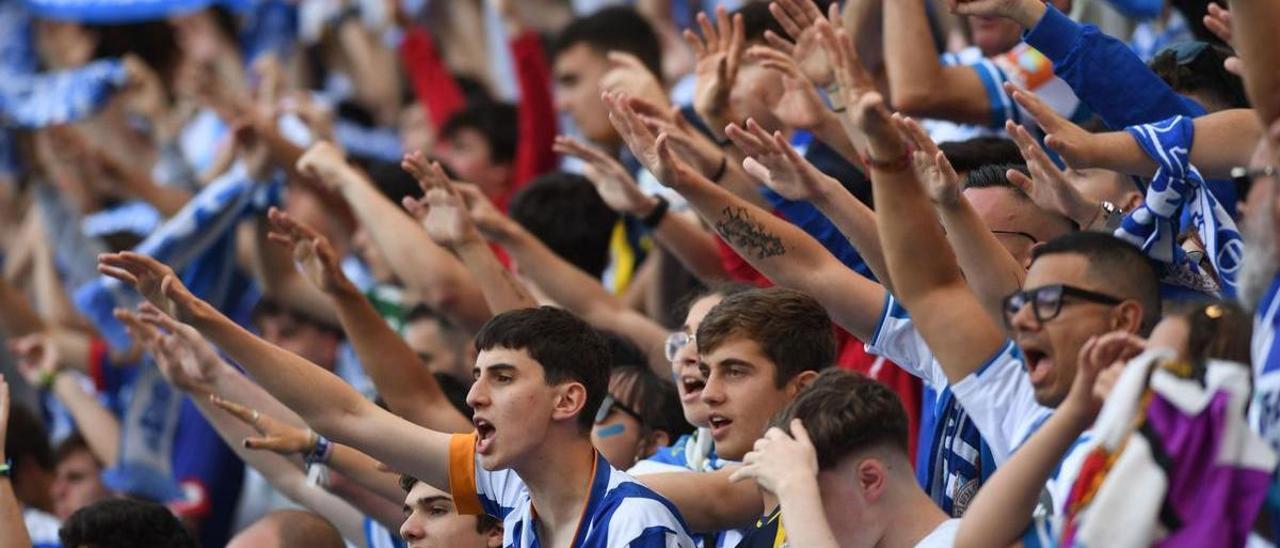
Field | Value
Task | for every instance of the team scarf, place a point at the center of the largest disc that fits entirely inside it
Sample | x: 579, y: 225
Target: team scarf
x: 198, y: 243
x: 1175, y: 186
x: 41, y: 100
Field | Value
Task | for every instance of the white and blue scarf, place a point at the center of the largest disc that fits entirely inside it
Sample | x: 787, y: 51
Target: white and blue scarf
x: 1178, y: 185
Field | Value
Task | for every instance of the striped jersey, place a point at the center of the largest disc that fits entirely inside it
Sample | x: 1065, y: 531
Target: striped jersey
x: 1026, y: 68
x: 692, y: 453
x: 976, y: 423
x: 620, y: 512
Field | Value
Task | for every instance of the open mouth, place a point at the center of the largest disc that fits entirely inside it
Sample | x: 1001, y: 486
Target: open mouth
x: 692, y: 387
x: 719, y: 426
x: 1038, y: 365
x: 484, y: 435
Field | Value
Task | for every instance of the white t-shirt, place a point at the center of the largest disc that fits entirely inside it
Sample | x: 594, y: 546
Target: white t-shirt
x: 943, y: 536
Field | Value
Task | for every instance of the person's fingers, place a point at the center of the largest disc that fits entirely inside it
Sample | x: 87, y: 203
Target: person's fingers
x: 710, y: 39
x: 743, y: 139
x: 275, y: 444
x: 626, y: 60
x: 724, y: 27
x: 760, y: 134
x: 779, y: 43
x: 799, y: 433
x: 737, y: 41
x: 1234, y: 66
x: 1020, y: 180
x: 1044, y: 116
x: 118, y: 273
x: 246, y: 415
x: 783, y: 16
x: 742, y: 474
x: 699, y: 50
x: 756, y: 169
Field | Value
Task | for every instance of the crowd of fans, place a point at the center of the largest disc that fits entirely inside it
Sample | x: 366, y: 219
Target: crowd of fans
x: 465, y: 273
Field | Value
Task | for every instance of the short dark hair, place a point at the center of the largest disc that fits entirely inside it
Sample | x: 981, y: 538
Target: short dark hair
x: 618, y: 28
x: 846, y: 412
x: 567, y: 214
x: 756, y: 19
x: 966, y: 156
x: 1203, y: 73
x: 484, y: 522
x: 995, y: 176
x: 124, y: 523
x: 567, y: 348
x: 1123, y: 268
x: 495, y: 121
x: 792, y: 329
x: 652, y: 397
x: 27, y: 439
x: 455, y: 392
x: 72, y: 444
x: 268, y: 306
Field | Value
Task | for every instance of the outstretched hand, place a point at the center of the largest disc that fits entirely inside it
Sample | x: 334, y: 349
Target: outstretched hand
x: 719, y: 53
x: 313, y: 255
x: 799, y: 106
x: 931, y: 165
x: 154, y: 280
x: 1066, y: 138
x: 612, y: 181
x: 37, y: 358
x: 325, y: 163
x: 274, y: 435
x: 447, y: 218
x: 1101, y: 358
x: 638, y: 137
x: 771, y: 159
x: 799, y: 18
x: 1048, y: 186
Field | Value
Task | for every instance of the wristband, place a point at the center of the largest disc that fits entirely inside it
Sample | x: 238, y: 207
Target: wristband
x: 655, y: 216
x: 322, y: 451
x: 901, y: 163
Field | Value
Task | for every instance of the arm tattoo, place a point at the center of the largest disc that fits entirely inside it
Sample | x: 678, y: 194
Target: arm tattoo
x: 737, y: 228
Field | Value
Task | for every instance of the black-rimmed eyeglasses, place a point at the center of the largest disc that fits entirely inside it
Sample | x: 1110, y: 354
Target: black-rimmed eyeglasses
x: 1046, y: 301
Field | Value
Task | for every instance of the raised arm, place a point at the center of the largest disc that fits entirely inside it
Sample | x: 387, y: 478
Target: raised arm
x: 324, y: 401
x: 988, y: 267
x: 694, y: 247
x: 709, y: 501
x: 443, y: 210
x: 38, y: 361
x: 779, y: 250
x: 400, y: 377
x: 13, y: 534
x: 1224, y: 140
x: 926, y: 278
x: 918, y: 82
x: 431, y: 272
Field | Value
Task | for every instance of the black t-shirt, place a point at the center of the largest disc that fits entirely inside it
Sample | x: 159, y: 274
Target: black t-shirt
x: 768, y: 532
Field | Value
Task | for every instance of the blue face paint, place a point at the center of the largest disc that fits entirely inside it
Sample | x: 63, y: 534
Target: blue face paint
x: 610, y: 431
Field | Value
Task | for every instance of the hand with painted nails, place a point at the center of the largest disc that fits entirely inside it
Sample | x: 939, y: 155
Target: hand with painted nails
x: 273, y: 435
x: 772, y: 160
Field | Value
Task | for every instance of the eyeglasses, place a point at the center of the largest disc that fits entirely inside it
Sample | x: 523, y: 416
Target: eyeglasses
x: 1244, y: 177
x: 609, y: 404
x: 675, y: 342
x: 1046, y: 301
x: 1034, y: 240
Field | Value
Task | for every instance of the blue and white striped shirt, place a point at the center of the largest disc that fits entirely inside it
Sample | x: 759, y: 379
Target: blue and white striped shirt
x: 620, y: 512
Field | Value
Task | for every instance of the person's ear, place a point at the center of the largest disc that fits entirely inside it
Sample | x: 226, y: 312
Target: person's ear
x: 1128, y: 317
x: 493, y: 539
x: 872, y: 479
x: 800, y: 381
x: 571, y: 400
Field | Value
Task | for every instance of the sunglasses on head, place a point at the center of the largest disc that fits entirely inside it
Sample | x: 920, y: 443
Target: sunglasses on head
x: 1046, y: 301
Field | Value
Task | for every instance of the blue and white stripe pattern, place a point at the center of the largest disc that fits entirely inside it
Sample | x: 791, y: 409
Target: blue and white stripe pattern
x: 620, y: 512
x: 1264, y: 411
x: 35, y: 101
x: 1176, y: 185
